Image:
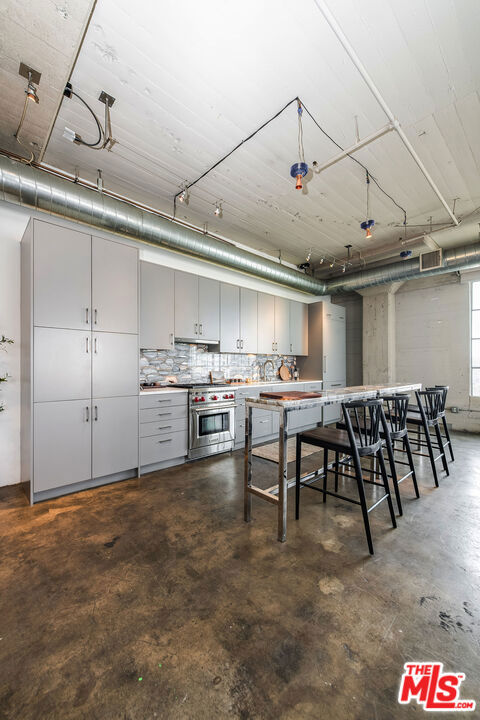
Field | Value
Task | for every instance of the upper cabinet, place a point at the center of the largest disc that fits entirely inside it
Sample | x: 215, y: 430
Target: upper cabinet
x: 238, y: 319
x: 61, y: 277
x: 334, y: 342
x: 197, y: 308
x: 114, y: 286
x: 282, y: 325
x: 80, y: 282
x: 266, y: 323
x: 298, y: 328
x: 157, y: 302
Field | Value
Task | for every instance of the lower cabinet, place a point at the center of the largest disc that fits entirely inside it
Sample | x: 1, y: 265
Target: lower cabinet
x: 163, y: 429
x: 77, y: 440
x: 333, y: 413
x: 114, y: 435
x: 62, y: 444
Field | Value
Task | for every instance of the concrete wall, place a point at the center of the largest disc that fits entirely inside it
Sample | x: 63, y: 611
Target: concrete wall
x: 433, y: 342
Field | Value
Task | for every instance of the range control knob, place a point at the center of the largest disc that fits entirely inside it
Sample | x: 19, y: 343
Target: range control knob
x: 202, y: 399
x: 231, y: 396
x: 214, y: 397
x: 196, y: 399
x: 225, y: 397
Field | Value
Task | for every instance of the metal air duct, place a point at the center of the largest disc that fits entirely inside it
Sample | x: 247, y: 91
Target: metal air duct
x: 31, y: 187
x: 461, y: 258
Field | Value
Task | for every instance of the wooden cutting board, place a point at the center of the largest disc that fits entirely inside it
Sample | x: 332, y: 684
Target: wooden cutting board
x: 290, y: 395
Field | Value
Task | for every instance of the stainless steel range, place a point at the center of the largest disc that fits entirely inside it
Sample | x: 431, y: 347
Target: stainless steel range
x: 211, y: 410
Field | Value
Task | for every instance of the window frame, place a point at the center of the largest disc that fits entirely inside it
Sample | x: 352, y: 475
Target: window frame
x: 472, y: 338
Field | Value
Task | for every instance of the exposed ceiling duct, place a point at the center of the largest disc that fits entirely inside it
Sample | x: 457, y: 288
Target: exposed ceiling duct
x: 32, y: 187
x: 461, y: 258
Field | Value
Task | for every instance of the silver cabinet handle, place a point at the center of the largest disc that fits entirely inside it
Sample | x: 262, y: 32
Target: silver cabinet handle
x: 324, y: 363
x: 273, y: 346
x: 166, y: 440
x: 86, y: 344
x: 164, y: 427
x: 87, y: 419
x: 241, y: 344
x: 95, y: 346
x: 165, y: 400
x: 95, y: 316
x: 195, y: 332
x: 200, y: 329
x: 96, y: 413
x: 163, y: 414
x: 291, y: 348
x: 171, y: 339
x: 86, y: 315
x: 238, y: 344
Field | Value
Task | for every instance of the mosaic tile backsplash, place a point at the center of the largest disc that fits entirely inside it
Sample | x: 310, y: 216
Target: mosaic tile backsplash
x: 193, y: 363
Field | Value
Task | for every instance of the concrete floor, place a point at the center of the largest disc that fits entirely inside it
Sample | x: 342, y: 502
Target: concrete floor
x: 152, y: 599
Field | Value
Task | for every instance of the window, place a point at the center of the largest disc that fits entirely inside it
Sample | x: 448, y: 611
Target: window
x: 476, y: 338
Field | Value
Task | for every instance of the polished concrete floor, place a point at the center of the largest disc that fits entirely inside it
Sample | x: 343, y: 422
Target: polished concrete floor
x: 152, y: 598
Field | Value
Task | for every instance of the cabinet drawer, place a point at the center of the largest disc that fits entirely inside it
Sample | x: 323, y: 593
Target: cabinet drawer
x: 304, y: 418
x: 261, y: 423
x: 161, y: 428
x: 164, y: 447
x: 313, y: 387
x: 163, y: 400
x: 163, y: 414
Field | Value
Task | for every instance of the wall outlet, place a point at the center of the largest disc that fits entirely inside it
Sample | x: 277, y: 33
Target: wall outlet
x: 454, y: 409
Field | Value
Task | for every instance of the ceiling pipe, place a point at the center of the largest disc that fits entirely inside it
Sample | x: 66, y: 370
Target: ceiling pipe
x: 354, y: 148
x: 454, y: 259
x: 337, y: 30
x: 28, y: 186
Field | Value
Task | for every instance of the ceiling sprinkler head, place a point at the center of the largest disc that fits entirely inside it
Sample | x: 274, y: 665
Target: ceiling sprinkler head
x: 298, y: 171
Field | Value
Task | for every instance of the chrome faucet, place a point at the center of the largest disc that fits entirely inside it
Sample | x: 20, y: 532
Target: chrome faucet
x: 265, y: 368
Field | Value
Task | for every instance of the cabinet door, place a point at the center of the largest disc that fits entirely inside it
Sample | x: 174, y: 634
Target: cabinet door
x: 61, y: 444
x: 334, y: 346
x: 282, y: 325
x: 115, y: 365
x: 229, y: 318
x: 249, y: 320
x: 208, y: 310
x: 266, y: 324
x: 114, y: 435
x: 61, y: 277
x: 157, y: 298
x: 298, y: 328
x: 186, y: 306
x: 114, y: 286
x: 62, y: 364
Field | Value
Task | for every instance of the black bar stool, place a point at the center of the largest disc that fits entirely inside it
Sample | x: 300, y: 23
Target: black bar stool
x: 442, y: 416
x: 395, y: 429
x: 425, y: 417
x: 360, y: 439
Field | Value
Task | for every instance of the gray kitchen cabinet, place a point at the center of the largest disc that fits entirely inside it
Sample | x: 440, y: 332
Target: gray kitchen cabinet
x: 282, y: 325
x: 298, y: 328
x: 333, y: 413
x: 266, y: 324
x: 114, y: 365
x: 208, y: 310
x: 326, y: 357
x: 197, y: 308
x: 62, y: 367
x: 248, y: 320
x: 229, y: 318
x: 114, y: 286
x: 61, y: 276
x: 157, y: 306
x: 114, y: 435
x: 62, y: 444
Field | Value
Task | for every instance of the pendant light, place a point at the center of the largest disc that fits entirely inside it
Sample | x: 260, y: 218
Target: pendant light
x: 299, y: 170
x: 368, y: 223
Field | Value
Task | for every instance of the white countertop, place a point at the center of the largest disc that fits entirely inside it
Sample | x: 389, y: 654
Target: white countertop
x: 259, y: 383
x: 155, y: 391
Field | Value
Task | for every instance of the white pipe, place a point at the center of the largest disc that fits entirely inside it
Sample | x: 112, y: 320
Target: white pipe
x: 321, y: 5
x: 358, y: 146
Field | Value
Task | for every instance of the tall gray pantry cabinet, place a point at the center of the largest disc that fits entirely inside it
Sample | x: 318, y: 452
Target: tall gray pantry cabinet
x: 79, y: 360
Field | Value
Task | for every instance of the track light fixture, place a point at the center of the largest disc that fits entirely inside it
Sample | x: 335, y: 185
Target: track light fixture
x: 184, y: 196
x: 332, y: 264
x: 218, y: 210
x: 31, y: 92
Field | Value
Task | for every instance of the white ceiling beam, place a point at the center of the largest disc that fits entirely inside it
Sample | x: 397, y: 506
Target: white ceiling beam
x: 337, y: 30
x: 353, y: 148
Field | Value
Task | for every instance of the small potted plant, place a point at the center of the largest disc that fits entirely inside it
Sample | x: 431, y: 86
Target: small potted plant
x: 4, y: 341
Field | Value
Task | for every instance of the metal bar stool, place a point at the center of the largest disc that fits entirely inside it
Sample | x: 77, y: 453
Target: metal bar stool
x: 427, y: 416
x: 361, y: 439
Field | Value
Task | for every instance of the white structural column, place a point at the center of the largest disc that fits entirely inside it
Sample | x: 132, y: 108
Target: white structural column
x: 379, y: 333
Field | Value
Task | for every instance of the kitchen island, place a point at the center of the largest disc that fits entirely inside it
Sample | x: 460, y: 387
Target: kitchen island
x: 277, y: 494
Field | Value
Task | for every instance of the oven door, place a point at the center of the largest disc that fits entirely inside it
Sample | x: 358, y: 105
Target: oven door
x: 209, y: 426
